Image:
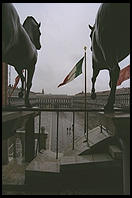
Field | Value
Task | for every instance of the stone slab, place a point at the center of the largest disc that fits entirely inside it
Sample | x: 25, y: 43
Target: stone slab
x: 44, y: 162
x: 115, y: 152
x: 82, y: 163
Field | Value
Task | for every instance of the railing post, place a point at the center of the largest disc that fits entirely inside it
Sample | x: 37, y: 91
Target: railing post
x: 101, y: 128
x: 73, y: 129
x: 87, y: 129
x: 57, y: 135
x: 39, y: 129
x: 38, y: 141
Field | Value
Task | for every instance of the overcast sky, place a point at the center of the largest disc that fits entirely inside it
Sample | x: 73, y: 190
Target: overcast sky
x: 65, y: 32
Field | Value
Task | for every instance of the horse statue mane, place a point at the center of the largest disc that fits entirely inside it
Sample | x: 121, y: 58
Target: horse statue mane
x: 110, y: 44
x: 20, y: 44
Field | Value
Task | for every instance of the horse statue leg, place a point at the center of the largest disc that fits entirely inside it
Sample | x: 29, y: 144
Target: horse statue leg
x: 29, y: 84
x: 114, y: 75
x: 95, y: 74
x: 20, y: 94
x: 110, y: 82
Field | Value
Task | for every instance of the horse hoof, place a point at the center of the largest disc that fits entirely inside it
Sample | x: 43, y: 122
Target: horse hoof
x: 28, y: 105
x: 108, y: 109
x: 20, y: 94
x: 93, y: 96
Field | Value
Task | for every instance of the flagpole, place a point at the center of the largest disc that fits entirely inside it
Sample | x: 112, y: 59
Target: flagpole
x: 25, y: 87
x: 85, y: 117
x: 85, y: 91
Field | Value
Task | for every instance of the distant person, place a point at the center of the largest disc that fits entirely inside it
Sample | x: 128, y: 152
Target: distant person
x: 67, y: 131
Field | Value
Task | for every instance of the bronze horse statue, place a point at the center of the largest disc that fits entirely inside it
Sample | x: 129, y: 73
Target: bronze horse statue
x: 20, y: 44
x: 110, y: 44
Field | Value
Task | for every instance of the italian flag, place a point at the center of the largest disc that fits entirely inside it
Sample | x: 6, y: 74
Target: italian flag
x: 76, y: 71
x: 124, y: 75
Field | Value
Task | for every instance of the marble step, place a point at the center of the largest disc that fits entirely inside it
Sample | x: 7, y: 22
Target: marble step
x: 44, y: 166
x: 82, y: 163
x: 97, y: 141
x: 52, y: 173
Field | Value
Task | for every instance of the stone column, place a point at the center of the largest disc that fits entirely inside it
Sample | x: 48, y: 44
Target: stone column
x: 5, y: 152
x: 119, y: 126
x: 125, y: 143
x: 29, y: 140
x: 4, y: 84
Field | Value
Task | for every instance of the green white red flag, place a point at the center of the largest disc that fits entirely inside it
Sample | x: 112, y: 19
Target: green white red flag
x: 76, y: 71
